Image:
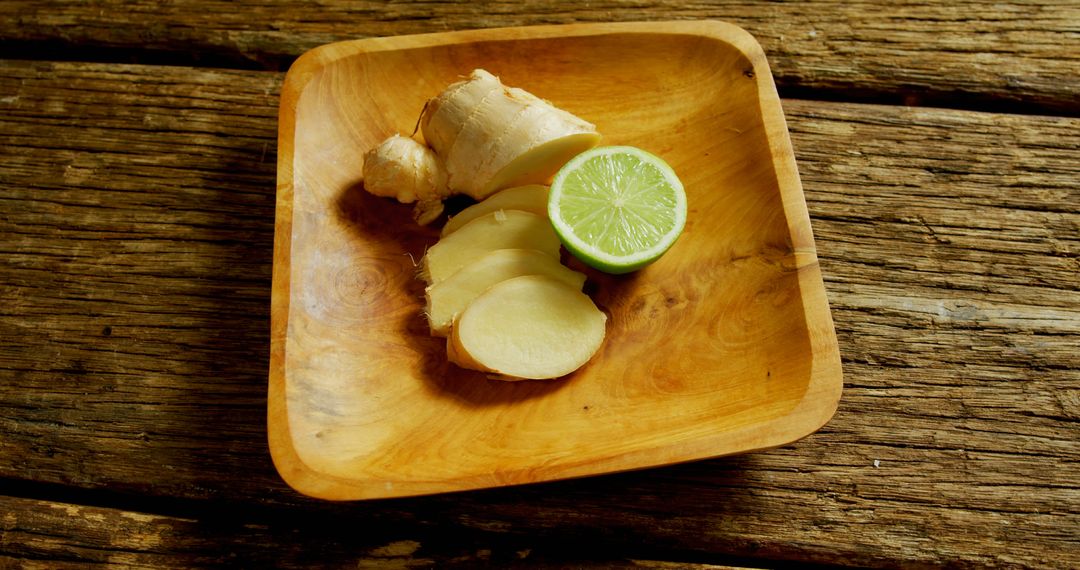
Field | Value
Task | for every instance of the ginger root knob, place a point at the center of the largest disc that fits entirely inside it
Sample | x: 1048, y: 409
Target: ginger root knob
x: 404, y: 169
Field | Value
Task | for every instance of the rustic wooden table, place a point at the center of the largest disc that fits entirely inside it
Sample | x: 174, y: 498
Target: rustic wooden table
x: 938, y: 146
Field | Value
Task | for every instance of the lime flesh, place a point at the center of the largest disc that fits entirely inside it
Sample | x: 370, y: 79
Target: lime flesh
x: 617, y: 208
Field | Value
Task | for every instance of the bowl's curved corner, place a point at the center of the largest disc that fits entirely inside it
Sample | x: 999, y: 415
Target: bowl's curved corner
x: 735, y: 35
x: 290, y: 467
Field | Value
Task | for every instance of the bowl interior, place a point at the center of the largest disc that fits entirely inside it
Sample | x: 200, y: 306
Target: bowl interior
x: 707, y: 341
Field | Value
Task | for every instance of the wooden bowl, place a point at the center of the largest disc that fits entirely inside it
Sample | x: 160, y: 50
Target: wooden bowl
x: 723, y: 346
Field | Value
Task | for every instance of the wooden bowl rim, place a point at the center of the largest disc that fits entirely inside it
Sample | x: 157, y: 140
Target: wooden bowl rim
x: 814, y: 410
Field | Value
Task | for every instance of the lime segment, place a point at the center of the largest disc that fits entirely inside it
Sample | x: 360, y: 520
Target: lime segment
x: 617, y: 208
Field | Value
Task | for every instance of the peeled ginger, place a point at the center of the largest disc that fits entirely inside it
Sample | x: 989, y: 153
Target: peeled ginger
x: 530, y: 198
x: 501, y: 229
x: 530, y: 327
x: 448, y: 298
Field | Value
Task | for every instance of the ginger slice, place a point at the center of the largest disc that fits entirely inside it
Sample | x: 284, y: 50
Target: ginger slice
x: 501, y: 229
x: 530, y: 327
x: 450, y: 297
x: 530, y: 198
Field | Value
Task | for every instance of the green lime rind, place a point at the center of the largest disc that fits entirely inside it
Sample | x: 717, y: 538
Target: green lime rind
x: 617, y: 208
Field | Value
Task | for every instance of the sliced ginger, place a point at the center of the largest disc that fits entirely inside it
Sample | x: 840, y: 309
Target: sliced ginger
x: 529, y: 327
x: 530, y: 198
x: 496, y: 288
x: 501, y: 229
x: 448, y: 298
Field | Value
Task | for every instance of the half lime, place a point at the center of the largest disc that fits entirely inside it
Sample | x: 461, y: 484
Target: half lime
x: 617, y: 208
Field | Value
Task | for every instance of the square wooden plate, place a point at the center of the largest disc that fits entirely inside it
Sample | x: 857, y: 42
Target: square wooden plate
x: 723, y: 346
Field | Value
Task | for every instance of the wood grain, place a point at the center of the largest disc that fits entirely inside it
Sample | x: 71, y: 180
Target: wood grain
x: 976, y: 53
x: 136, y: 260
x: 136, y: 226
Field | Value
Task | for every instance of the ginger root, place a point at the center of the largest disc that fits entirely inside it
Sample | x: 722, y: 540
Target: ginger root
x: 492, y: 137
x: 483, y: 137
x: 496, y: 288
x: 402, y: 168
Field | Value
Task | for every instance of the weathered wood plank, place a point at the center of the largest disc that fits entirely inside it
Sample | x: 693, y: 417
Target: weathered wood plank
x: 53, y: 535
x: 1005, y: 55
x: 136, y: 212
